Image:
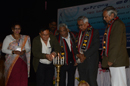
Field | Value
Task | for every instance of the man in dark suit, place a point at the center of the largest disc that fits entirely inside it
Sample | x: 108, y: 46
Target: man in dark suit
x: 114, y: 50
x: 88, y: 45
x: 43, y: 47
x: 69, y: 51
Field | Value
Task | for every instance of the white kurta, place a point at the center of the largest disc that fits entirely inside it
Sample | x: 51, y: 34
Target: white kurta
x: 8, y: 39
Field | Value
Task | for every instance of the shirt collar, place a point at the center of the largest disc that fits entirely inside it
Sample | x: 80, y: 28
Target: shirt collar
x: 48, y: 42
x: 67, y: 37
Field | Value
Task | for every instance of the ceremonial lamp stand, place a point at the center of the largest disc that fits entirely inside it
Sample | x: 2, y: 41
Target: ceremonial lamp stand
x: 58, y: 74
x: 58, y: 62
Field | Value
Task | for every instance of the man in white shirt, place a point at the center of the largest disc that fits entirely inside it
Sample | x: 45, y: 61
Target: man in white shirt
x: 44, y: 46
x: 69, y: 51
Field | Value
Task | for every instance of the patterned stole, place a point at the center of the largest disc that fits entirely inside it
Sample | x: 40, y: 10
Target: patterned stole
x: 83, y: 44
x: 63, y: 45
x: 106, y: 37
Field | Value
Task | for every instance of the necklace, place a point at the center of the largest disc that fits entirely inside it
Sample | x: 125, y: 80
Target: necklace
x: 16, y: 38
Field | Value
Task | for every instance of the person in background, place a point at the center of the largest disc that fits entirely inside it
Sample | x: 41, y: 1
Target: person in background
x: 44, y: 47
x: 83, y: 83
x: 69, y: 51
x: 17, y: 65
x: 53, y: 27
x: 88, y: 46
x: 114, y: 52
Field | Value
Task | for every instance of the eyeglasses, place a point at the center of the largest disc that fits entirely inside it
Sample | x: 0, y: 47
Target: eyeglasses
x: 17, y: 28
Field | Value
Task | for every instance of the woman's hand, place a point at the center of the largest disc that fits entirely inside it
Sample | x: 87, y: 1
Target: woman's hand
x: 19, y: 52
x: 22, y: 52
x: 16, y: 52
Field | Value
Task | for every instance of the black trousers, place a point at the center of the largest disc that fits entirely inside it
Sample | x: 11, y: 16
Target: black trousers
x: 44, y: 74
x: 70, y: 69
x: 88, y: 72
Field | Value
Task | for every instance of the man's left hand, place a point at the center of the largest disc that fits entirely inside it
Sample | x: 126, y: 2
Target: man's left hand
x: 110, y: 64
x: 81, y: 57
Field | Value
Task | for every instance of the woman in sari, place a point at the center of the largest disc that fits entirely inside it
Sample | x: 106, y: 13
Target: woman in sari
x: 17, y: 64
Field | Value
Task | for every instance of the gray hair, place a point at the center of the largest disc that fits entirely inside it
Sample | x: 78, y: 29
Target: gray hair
x: 63, y: 25
x: 110, y: 10
x: 84, y: 18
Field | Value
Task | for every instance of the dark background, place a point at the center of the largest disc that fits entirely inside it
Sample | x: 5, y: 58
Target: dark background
x: 32, y: 14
